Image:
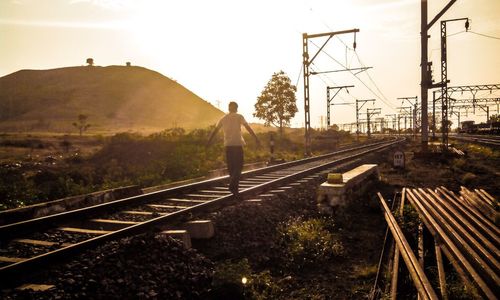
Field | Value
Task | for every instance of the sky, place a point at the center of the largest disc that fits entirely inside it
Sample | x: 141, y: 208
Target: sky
x: 225, y: 50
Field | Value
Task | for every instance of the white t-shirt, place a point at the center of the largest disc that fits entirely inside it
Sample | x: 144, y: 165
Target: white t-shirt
x: 231, y: 124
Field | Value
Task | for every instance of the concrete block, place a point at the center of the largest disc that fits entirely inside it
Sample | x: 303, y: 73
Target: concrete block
x: 181, y: 235
x: 336, y: 194
x: 200, y: 229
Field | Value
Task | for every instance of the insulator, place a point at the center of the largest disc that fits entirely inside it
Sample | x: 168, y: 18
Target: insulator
x: 354, y: 45
x: 467, y: 25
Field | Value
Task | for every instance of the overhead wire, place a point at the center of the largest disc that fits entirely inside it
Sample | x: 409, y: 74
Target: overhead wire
x: 382, y: 98
x: 452, y: 34
x: 374, y: 83
x: 485, y: 35
x: 328, y: 78
x: 300, y: 73
x: 387, y: 102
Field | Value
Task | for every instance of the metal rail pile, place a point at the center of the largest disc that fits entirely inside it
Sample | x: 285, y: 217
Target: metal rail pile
x: 416, y: 271
x: 464, y: 228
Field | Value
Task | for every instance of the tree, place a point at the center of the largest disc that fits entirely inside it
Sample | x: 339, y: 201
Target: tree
x: 81, y: 125
x: 276, y: 105
x: 494, y: 118
x: 90, y: 61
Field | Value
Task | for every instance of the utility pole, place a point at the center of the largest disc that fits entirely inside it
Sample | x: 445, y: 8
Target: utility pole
x: 330, y: 99
x: 369, y: 113
x: 405, y: 112
x: 413, y: 112
x: 357, y: 113
x: 434, y: 115
x: 444, y: 79
x: 425, y: 72
x: 306, y: 62
x: 393, y: 118
x: 399, y: 124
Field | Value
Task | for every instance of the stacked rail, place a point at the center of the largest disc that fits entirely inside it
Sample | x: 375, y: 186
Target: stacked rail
x: 464, y: 229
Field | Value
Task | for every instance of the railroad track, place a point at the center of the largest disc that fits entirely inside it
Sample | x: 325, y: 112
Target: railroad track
x: 28, y: 246
x: 493, y: 141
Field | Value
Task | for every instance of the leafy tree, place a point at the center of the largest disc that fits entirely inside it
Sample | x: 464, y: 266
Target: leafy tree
x: 90, y: 62
x: 277, y: 103
x: 81, y: 125
x: 495, y: 118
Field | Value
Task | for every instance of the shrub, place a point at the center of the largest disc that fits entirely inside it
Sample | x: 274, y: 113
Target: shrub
x: 308, y: 242
x: 233, y: 279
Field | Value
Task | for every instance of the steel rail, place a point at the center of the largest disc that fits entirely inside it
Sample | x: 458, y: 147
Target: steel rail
x: 473, y: 239
x: 13, y: 272
x: 416, y: 271
x: 483, y: 224
x: 464, y: 225
x: 478, y: 140
x: 395, y: 266
x: 470, y: 262
x: 484, y: 221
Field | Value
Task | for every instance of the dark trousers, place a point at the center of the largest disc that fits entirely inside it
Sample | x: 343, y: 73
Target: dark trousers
x: 234, y: 159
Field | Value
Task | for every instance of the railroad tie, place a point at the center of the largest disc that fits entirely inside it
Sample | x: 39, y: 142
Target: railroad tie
x: 84, y: 231
x: 40, y: 243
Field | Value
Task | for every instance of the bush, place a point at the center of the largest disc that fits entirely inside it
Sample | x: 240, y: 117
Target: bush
x: 308, y: 242
x: 235, y: 280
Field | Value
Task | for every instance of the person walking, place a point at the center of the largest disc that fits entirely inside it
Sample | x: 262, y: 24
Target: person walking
x: 233, y: 143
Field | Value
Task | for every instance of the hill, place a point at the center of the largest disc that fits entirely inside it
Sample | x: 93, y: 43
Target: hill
x: 115, y: 98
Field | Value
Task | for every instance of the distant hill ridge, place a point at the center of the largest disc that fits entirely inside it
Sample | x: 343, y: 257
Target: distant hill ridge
x: 114, y: 98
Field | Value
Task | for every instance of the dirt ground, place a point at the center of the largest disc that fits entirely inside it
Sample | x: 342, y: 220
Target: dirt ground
x: 478, y: 168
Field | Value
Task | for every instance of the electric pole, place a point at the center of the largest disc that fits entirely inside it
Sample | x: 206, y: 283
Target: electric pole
x: 357, y: 113
x: 306, y: 62
x: 425, y: 72
x: 369, y: 113
x: 330, y: 99
x: 413, y: 112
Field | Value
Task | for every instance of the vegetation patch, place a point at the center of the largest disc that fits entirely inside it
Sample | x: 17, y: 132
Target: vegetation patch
x: 306, y: 243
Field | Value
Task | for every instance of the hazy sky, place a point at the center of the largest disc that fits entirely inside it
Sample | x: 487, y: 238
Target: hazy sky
x: 228, y: 50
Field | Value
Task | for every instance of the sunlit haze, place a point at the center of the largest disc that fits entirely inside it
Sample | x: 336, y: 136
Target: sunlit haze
x: 228, y: 50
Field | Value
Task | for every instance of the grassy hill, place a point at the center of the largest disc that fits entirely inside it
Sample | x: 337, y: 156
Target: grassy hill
x: 115, y: 98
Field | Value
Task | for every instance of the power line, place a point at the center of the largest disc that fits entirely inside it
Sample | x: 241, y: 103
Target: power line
x: 375, y: 84
x: 375, y: 94
x: 298, y: 77
x: 383, y: 97
x: 456, y: 33
x: 328, y: 78
x: 485, y: 35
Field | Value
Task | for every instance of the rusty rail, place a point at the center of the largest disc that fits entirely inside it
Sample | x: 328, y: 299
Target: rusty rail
x: 416, y: 271
x: 461, y: 238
